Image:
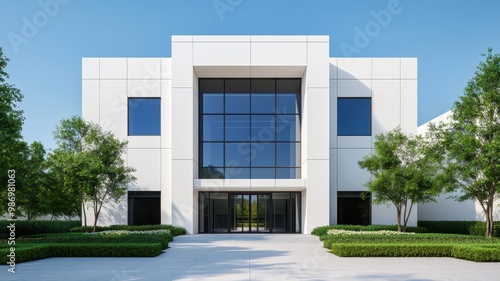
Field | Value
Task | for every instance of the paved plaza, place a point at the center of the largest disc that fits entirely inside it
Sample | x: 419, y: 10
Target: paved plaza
x: 251, y: 257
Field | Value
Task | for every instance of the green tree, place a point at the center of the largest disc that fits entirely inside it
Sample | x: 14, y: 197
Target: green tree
x: 31, y: 181
x: 402, y: 173
x: 11, y: 121
x: 105, y: 155
x: 471, y: 140
x: 90, y: 166
x: 74, y: 172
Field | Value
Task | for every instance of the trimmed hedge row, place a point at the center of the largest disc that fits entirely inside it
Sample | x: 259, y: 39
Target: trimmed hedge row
x: 174, y: 230
x: 475, y: 253
x: 30, y: 227
x: 322, y: 230
x: 460, y: 227
x: 29, y: 252
x: 418, y: 238
x: 391, y: 250
x: 81, y: 238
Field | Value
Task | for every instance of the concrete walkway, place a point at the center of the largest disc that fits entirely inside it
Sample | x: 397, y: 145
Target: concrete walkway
x: 251, y: 257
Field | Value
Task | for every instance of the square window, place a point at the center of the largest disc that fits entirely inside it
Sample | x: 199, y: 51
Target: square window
x: 354, y: 116
x: 144, y: 117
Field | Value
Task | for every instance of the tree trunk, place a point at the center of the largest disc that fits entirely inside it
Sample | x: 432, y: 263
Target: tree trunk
x: 489, y: 218
x: 398, y: 210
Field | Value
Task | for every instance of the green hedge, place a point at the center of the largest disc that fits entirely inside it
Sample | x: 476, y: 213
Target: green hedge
x: 37, y: 227
x: 174, y: 230
x: 391, y: 250
x: 477, y: 253
x: 162, y: 239
x: 322, y: 230
x: 28, y: 252
x: 460, y: 227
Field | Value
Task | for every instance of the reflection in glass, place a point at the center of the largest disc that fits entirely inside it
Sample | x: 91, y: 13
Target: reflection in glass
x: 287, y: 128
x: 237, y: 127
x: 213, y: 103
x: 213, y: 154
x: 263, y: 127
x: 237, y: 103
x: 144, y: 117
x: 286, y: 154
x: 354, y: 116
x: 263, y: 154
x: 213, y: 128
x: 237, y: 155
x: 263, y: 173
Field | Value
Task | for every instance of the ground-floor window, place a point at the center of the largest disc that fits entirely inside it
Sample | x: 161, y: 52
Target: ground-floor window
x: 144, y: 207
x: 223, y: 212
x: 352, y: 209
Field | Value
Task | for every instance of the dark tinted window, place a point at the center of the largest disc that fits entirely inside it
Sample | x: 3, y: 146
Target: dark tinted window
x: 354, y: 116
x: 144, y: 117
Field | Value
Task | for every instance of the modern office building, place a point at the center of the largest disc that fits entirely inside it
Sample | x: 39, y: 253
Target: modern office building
x: 249, y: 133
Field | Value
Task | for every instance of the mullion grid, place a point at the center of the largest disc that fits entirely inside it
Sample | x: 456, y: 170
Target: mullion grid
x: 250, y: 142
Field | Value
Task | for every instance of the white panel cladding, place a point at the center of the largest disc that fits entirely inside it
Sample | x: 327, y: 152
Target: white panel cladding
x: 90, y: 68
x: 166, y: 68
x: 386, y: 68
x: 183, y: 206
x: 334, y: 70
x: 143, y: 88
x: 447, y: 208
x: 354, y: 68
x: 381, y: 214
x: 354, y: 142
x: 386, y: 105
x: 354, y: 88
x: 409, y: 68
x: 350, y: 176
x: 333, y: 185
x: 144, y: 68
x: 317, y: 123
x: 182, y: 123
x: 112, y: 212
x: 409, y: 106
x: 166, y: 113
x: 318, y: 198
x: 279, y: 53
x: 221, y: 54
x: 166, y: 186
x: 318, y: 65
x: 144, y: 142
x: 333, y: 114
x: 90, y: 100
x: 113, y: 107
x: 182, y: 65
x: 113, y: 68
x: 147, y: 163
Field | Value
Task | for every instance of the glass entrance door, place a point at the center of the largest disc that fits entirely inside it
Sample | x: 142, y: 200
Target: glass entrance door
x: 251, y: 212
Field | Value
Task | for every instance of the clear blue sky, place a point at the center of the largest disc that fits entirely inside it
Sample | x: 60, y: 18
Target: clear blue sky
x: 446, y: 36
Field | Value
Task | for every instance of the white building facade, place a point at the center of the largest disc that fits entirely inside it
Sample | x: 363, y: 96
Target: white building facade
x: 249, y: 133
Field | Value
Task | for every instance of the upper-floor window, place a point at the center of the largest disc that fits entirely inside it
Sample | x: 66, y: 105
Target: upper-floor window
x: 144, y: 117
x: 250, y: 128
x: 354, y: 116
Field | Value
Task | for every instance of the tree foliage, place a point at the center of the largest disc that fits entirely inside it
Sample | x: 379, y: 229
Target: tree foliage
x: 402, y: 172
x: 12, y: 146
x: 89, y: 163
x: 471, y: 140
